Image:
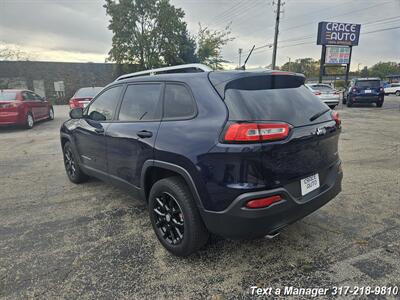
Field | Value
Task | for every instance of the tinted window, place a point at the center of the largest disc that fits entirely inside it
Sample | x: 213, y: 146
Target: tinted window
x: 368, y: 84
x: 178, y: 102
x: 103, y: 107
x: 28, y: 96
x: 291, y: 105
x: 8, y: 96
x: 141, y: 102
x: 87, y: 92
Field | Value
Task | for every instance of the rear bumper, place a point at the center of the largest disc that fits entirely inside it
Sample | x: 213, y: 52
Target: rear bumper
x: 239, y: 222
x: 10, y: 118
x: 331, y: 101
x: 367, y: 99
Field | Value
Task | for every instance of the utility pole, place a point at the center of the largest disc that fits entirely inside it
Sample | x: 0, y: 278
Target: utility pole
x: 240, y: 57
x: 278, y: 16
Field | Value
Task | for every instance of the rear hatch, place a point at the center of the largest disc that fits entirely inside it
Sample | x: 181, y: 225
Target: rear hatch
x: 268, y: 99
x: 368, y: 87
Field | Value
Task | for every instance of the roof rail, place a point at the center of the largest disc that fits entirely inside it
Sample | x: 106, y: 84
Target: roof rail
x: 188, y: 68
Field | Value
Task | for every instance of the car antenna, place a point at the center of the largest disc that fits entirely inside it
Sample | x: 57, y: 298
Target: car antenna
x: 243, y: 67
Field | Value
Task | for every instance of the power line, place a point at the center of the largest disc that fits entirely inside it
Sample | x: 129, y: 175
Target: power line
x: 262, y: 50
x: 240, y: 11
x: 227, y: 15
x: 387, y: 20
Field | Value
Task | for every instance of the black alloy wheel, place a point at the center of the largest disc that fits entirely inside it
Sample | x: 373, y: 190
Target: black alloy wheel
x: 69, y: 162
x: 72, y: 168
x: 175, y: 217
x: 169, y: 218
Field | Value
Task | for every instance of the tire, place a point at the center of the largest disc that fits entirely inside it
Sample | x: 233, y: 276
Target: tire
x: 175, y: 217
x: 71, y: 165
x: 397, y: 93
x: 51, y: 114
x: 349, y: 102
x: 29, y: 121
x: 379, y: 104
x: 344, y: 100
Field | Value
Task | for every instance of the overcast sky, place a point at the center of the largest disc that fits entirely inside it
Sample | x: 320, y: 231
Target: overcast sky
x: 76, y: 30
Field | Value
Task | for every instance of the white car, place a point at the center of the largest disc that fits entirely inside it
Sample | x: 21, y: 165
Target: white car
x: 326, y: 93
x: 393, y: 88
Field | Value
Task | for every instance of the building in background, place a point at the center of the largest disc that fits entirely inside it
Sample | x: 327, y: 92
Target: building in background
x: 56, y: 81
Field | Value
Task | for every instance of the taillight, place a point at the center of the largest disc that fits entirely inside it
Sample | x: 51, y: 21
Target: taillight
x: 11, y: 105
x: 317, y: 93
x: 336, y: 93
x: 73, y: 103
x: 336, y: 117
x: 263, y: 202
x: 252, y: 132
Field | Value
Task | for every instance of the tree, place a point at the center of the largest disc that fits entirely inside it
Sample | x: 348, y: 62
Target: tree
x: 12, y: 53
x: 307, y: 66
x: 382, y: 69
x: 209, y: 46
x: 364, y: 72
x: 149, y: 33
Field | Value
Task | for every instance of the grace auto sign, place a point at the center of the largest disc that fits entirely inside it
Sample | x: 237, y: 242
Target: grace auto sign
x: 336, y: 33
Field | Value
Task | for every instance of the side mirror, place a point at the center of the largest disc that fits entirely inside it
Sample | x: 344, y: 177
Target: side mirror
x: 76, y: 113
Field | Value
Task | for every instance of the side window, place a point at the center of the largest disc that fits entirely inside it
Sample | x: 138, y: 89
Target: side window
x: 178, y: 102
x: 103, y: 107
x: 28, y: 96
x: 37, y: 97
x: 141, y: 102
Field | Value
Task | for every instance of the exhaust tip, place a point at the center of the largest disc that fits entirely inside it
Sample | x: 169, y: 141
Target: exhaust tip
x: 272, y: 235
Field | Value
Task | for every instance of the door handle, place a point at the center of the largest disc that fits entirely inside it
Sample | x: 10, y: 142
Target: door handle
x: 144, y: 134
x: 99, y: 130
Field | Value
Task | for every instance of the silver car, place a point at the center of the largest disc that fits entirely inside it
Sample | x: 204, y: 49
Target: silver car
x: 326, y: 93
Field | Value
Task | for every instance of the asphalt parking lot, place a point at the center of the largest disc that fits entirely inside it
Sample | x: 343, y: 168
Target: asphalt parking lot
x: 95, y: 241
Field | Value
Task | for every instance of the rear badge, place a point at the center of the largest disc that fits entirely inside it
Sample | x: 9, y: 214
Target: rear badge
x: 320, y: 131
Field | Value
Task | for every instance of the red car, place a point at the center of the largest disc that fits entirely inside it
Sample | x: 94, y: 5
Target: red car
x: 23, y: 107
x: 83, y: 96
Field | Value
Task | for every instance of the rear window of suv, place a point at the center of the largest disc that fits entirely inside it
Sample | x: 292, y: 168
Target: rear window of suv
x: 368, y: 83
x: 8, y: 96
x: 294, y: 105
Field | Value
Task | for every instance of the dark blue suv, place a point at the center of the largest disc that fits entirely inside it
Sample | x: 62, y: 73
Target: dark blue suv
x: 239, y: 154
x: 364, y: 90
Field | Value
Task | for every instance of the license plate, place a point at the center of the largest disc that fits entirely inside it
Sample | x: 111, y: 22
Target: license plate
x: 309, y: 184
x: 368, y: 91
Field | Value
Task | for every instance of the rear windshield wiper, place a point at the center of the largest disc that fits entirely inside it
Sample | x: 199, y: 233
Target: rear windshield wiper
x: 317, y: 115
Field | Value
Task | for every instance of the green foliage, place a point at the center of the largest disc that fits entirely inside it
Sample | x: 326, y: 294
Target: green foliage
x: 148, y: 33
x: 307, y: 66
x: 382, y: 69
x: 364, y: 72
x: 12, y: 53
x: 340, y: 84
x: 210, y: 43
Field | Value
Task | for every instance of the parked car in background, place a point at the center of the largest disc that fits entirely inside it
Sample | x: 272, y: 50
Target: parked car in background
x: 237, y: 154
x: 392, y: 88
x: 364, y: 90
x: 326, y: 93
x: 23, y: 107
x: 83, y: 96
